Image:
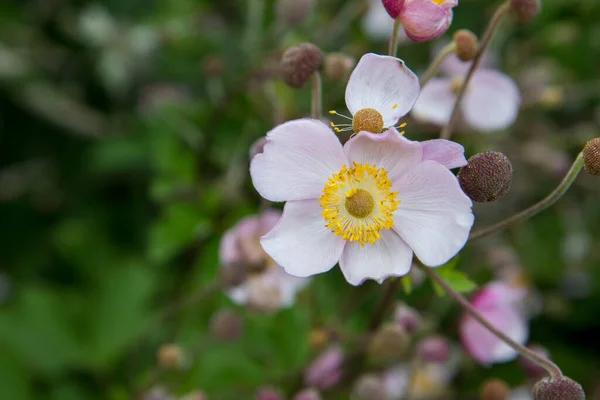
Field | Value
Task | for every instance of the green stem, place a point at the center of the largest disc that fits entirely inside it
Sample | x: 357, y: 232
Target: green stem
x: 393, y: 47
x: 553, y: 370
x: 552, y: 198
x: 317, y: 96
x: 435, y: 65
x: 485, y: 41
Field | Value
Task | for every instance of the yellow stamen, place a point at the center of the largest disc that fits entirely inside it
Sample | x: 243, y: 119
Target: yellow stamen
x: 367, y: 119
x: 358, y: 203
x: 332, y: 112
x: 395, y: 106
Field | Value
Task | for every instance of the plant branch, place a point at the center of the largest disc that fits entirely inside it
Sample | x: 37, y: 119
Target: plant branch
x: 393, y: 47
x: 543, y: 362
x: 485, y: 41
x: 552, y: 198
x: 317, y: 96
x: 435, y: 65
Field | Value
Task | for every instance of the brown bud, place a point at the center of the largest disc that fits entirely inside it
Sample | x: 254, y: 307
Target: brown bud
x: 561, y: 389
x: 494, y: 389
x: 591, y: 156
x: 526, y: 11
x: 369, y: 387
x: 299, y: 62
x: 227, y: 325
x: 294, y: 12
x: 337, y: 66
x: 388, y: 344
x: 169, y: 356
x: 466, y: 44
x: 486, y: 177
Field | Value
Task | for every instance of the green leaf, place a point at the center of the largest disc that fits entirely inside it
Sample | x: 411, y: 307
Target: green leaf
x: 455, y: 279
x: 407, y: 285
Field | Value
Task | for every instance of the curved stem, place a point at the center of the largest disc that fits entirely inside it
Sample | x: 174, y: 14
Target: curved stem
x: 393, y: 47
x: 552, y: 198
x: 553, y: 370
x: 485, y: 41
x: 317, y: 96
x: 435, y: 65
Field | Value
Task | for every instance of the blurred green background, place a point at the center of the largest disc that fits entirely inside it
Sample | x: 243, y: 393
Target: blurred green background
x: 124, y: 135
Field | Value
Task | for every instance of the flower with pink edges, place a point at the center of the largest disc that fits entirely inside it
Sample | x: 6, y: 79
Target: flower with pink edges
x: 367, y: 205
x: 326, y: 370
x: 498, y: 303
x: 423, y: 20
x: 491, y: 102
x: 266, y: 286
x: 380, y: 90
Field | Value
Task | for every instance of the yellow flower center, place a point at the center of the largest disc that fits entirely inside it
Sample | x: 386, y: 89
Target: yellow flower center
x: 367, y: 119
x: 438, y: 2
x: 358, y: 203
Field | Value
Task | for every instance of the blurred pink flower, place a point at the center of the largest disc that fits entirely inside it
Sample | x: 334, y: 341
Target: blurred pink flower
x: 326, y: 371
x: 491, y: 102
x: 307, y: 394
x: 266, y: 285
x: 434, y: 349
x: 408, y: 318
x: 368, y: 205
x: 497, y: 302
x: 269, y: 393
x: 425, y: 20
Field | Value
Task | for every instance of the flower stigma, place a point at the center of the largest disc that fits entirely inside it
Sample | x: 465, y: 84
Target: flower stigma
x: 358, y: 203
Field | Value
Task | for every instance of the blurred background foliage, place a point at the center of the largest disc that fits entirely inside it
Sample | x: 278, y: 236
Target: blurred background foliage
x: 125, y: 127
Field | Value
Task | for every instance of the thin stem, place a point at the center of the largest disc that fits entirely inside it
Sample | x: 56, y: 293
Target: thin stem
x: 552, y: 198
x: 435, y: 65
x: 553, y: 370
x: 385, y: 304
x: 393, y: 47
x: 485, y: 41
x: 317, y: 96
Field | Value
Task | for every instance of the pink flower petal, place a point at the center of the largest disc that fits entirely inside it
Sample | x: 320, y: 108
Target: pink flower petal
x: 383, y: 83
x: 449, y: 154
x: 425, y: 20
x: 298, y: 159
x: 300, y: 242
x: 435, y: 102
x: 492, y: 101
x: 484, y: 346
x: 389, y: 256
x: 498, y: 294
x: 388, y: 150
x: 434, y: 216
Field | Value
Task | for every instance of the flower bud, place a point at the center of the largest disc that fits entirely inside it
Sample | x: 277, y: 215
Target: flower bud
x: 169, y: 356
x: 227, y: 325
x: 308, y: 394
x: 269, y: 393
x: 393, y: 7
x: 525, y: 11
x: 299, y: 62
x: 561, y: 389
x: 532, y: 369
x: 486, y: 177
x: 466, y: 44
x: 434, y: 349
x: 591, y: 156
x: 294, y: 12
x: 337, y: 66
x: 388, y: 344
x: 408, y: 318
x: 369, y: 387
x: 326, y: 371
x: 494, y: 389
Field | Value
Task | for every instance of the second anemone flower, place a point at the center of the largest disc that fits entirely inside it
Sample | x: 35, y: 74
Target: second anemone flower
x: 423, y: 20
x: 380, y: 91
x: 367, y: 205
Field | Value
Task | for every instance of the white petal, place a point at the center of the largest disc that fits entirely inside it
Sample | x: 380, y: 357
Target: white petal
x: 388, y: 150
x: 434, y: 216
x: 435, y: 102
x: 383, y: 83
x: 300, y: 242
x: 389, y: 256
x: 297, y: 160
x: 449, y: 154
x: 492, y: 101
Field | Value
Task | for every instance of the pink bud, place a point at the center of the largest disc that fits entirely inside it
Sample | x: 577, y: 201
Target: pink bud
x: 308, y: 394
x: 434, y: 349
x: 393, y: 7
x: 408, y: 318
x: 269, y: 393
x: 425, y: 20
x: 326, y: 371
